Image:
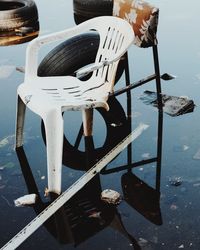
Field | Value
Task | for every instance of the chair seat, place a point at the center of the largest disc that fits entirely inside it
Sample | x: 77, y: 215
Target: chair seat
x: 67, y: 93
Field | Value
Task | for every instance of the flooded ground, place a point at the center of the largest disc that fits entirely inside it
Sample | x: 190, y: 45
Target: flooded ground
x: 155, y: 213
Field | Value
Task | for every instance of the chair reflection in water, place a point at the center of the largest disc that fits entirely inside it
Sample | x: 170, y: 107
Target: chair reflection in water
x: 85, y: 214
x: 82, y: 217
x: 137, y: 193
x: 49, y: 97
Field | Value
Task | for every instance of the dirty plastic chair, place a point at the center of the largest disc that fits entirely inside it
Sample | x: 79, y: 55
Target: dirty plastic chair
x: 49, y: 97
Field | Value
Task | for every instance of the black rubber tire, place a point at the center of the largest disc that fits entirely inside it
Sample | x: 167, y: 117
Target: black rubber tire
x: 71, y: 55
x: 17, y: 13
x: 86, y: 9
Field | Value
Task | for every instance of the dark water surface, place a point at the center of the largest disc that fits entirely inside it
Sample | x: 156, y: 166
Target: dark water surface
x: 155, y: 213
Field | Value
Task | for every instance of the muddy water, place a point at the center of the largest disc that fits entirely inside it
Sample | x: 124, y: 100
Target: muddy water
x: 155, y: 213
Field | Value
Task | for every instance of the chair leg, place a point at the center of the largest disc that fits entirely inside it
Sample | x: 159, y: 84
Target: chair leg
x: 21, y: 108
x: 87, y: 115
x: 54, y: 142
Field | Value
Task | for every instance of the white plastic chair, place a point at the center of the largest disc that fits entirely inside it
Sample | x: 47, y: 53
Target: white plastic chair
x: 49, y: 97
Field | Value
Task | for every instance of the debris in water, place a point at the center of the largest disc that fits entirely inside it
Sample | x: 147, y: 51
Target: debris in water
x: 110, y: 196
x: 175, y: 181
x: 136, y: 114
x: 116, y: 124
x: 46, y: 192
x: 173, y: 207
x: 197, y: 155
x: 142, y: 242
x: 196, y: 185
x: 181, y: 246
x: 43, y: 177
x: 8, y: 142
x: 167, y: 77
x: 96, y: 215
x: 4, y: 142
x: 28, y: 199
x: 172, y: 105
x: 180, y: 148
x: 8, y: 165
x: 185, y: 147
x: 6, y: 71
x: 20, y: 69
x: 146, y: 155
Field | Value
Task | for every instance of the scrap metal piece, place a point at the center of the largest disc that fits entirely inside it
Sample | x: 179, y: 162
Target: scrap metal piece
x: 167, y: 77
x: 172, y: 105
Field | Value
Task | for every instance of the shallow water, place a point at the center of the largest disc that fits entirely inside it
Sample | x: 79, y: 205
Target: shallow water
x: 146, y: 218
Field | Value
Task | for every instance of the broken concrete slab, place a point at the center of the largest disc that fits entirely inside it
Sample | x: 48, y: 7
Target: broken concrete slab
x: 26, y: 200
x: 110, y: 196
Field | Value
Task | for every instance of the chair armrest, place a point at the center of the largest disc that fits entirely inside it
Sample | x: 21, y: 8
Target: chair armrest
x: 34, y: 46
x: 93, y: 66
x: 89, y: 68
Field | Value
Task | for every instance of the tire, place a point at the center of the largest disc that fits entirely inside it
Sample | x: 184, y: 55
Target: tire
x: 17, y: 14
x: 86, y: 9
x: 71, y: 55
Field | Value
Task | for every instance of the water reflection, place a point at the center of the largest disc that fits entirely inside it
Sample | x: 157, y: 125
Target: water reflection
x: 85, y: 214
x: 138, y: 194
x: 82, y: 217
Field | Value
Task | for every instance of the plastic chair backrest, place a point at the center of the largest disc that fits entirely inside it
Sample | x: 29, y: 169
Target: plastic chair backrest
x: 114, y: 42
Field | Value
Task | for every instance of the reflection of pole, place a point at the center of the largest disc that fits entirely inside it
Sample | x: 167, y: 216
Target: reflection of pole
x: 26, y: 170
x: 79, y: 136
x: 156, y: 159
x: 87, y: 131
x: 117, y: 224
x: 129, y: 103
x: 157, y: 73
x: 159, y: 145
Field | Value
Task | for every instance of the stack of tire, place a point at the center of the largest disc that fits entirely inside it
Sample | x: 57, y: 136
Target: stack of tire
x: 18, y: 17
x: 86, y: 9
